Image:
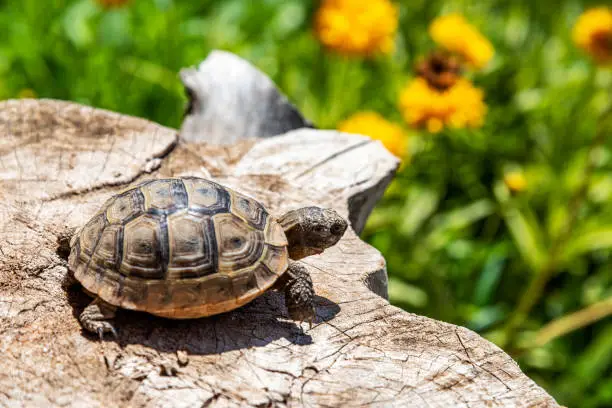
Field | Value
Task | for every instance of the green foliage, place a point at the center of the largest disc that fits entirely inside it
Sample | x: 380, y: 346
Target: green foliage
x: 460, y: 246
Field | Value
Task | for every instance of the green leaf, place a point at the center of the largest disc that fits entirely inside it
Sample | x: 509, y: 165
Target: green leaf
x: 458, y: 219
x: 402, y: 292
x: 558, y: 214
x: 464, y: 216
x: 587, y: 368
x: 114, y: 29
x: 526, y: 234
x: 420, y: 204
x: 489, y: 277
x: 150, y: 72
x: 588, y: 241
x: 481, y: 318
x: 77, y: 23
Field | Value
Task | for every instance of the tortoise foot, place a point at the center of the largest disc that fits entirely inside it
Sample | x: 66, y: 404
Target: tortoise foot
x: 97, y: 318
x: 299, y: 293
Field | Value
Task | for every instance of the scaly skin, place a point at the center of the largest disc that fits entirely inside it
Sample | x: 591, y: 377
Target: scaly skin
x: 299, y: 292
x: 97, y: 318
x: 311, y: 230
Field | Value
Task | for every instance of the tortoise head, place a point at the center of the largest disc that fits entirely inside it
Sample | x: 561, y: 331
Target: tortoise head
x: 311, y: 230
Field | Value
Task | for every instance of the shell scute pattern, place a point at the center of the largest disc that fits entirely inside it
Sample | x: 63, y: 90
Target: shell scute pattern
x: 90, y: 235
x: 110, y: 285
x: 206, y: 197
x: 216, y: 288
x: 107, y: 249
x: 125, y: 207
x: 134, y: 295
x: 244, y: 282
x: 164, y: 196
x: 241, y: 246
x: 275, y: 235
x: 276, y: 259
x: 263, y: 275
x: 192, y: 245
x: 179, y: 248
x: 142, y: 248
x: 183, y: 293
x: 249, y: 210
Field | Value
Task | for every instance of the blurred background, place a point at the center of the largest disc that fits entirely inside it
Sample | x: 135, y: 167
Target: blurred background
x: 500, y: 218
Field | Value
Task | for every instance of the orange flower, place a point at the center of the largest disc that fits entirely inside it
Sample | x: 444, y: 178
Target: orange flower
x: 354, y: 27
x: 593, y: 33
x: 456, y: 35
x: 459, y: 106
x: 375, y: 126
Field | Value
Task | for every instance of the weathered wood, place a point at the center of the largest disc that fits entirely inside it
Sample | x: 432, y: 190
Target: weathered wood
x: 360, y: 351
x: 230, y: 99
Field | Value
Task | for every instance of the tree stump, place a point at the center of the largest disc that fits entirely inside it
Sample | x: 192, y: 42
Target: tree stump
x: 60, y: 161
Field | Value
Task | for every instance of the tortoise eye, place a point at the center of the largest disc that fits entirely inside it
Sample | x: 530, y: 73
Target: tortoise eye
x: 336, y: 228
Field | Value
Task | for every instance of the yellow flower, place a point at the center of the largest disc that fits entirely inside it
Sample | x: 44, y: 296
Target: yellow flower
x: 375, y: 126
x: 112, y: 3
x: 455, y: 34
x: 459, y: 106
x: 593, y: 33
x: 357, y: 27
x: 515, y: 181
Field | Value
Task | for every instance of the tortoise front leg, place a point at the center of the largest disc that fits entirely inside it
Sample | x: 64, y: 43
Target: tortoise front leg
x: 97, y: 318
x: 299, y: 292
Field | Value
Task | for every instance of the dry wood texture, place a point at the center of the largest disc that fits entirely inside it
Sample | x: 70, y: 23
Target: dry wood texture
x: 60, y: 161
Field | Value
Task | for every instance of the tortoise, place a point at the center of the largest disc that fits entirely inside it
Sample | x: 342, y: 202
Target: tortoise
x: 188, y: 247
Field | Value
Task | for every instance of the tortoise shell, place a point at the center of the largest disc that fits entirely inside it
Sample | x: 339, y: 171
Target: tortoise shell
x: 179, y: 248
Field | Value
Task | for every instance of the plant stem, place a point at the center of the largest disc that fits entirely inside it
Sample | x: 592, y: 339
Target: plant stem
x: 332, y: 112
x: 574, y: 321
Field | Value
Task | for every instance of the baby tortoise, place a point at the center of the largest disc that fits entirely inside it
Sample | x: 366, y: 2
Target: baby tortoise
x: 185, y: 248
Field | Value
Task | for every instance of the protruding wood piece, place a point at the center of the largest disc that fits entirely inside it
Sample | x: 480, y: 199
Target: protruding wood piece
x: 230, y: 99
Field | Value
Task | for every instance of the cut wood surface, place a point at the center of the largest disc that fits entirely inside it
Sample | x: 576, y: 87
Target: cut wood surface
x: 59, y: 162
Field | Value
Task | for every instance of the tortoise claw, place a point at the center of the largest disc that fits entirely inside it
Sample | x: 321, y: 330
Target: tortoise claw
x: 308, y: 319
x: 97, y: 318
x: 106, y: 329
x: 102, y: 328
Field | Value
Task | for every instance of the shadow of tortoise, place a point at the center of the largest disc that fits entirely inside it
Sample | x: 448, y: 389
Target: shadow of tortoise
x: 262, y: 321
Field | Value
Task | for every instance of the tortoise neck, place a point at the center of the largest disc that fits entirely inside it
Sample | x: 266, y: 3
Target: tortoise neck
x: 292, y: 224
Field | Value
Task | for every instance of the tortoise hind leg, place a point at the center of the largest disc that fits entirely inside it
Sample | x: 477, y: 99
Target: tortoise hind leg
x: 97, y: 318
x: 299, y: 292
